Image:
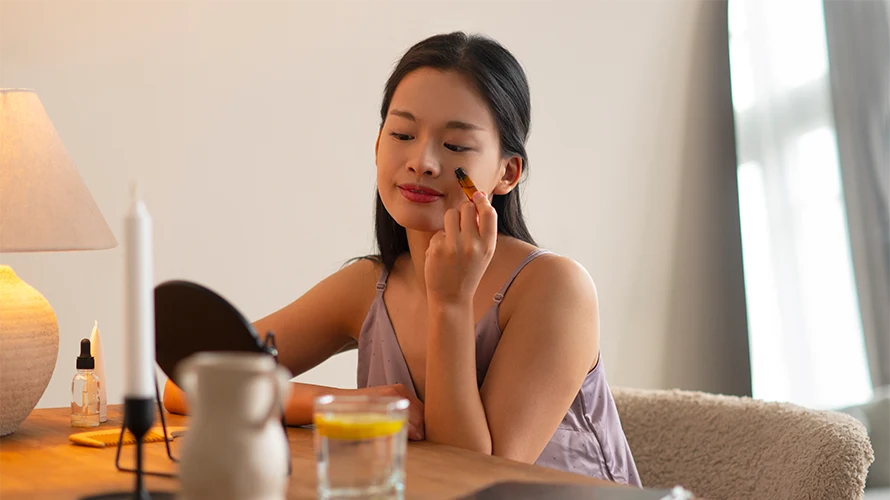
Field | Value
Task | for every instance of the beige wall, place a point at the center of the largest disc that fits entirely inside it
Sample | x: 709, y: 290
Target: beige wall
x: 252, y: 124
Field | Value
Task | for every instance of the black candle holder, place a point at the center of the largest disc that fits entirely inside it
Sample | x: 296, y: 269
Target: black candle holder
x: 120, y: 441
x: 139, y: 415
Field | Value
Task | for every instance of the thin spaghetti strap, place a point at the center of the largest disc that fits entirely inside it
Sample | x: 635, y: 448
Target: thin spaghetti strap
x: 381, y: 283
x: 498, y: 297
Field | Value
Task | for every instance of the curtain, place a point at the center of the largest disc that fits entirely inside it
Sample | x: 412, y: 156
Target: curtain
x: 804, y: 323
x: 858, y: 38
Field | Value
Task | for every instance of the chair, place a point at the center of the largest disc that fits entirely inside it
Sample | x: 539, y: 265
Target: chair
x: 726, y: 447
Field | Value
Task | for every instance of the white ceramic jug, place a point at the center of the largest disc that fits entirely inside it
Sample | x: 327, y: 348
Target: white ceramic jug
x: 235, y: 447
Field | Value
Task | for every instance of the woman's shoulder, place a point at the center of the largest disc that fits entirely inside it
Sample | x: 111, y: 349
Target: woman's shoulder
x: 354, y: 284
x: 366, y: 267
x: 547, y: 277
x: 553, y: 301
x: 359, y: 271
x: 545, y: 265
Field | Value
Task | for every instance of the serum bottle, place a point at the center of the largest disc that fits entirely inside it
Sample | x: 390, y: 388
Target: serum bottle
x: 85, y: 390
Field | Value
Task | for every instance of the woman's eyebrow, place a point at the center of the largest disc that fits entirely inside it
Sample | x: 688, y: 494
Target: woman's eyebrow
x: 453, y: 124
x: 462, y: 125
x: 404, y: 114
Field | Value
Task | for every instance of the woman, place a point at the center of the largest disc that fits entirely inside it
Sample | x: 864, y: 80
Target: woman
x: 494, y: 341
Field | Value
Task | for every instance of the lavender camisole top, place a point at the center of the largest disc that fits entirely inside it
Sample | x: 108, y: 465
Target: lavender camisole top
x: 589, y: 440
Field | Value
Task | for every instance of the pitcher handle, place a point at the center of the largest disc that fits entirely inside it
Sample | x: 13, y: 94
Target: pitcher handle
x: 185, y: 372
x: 281, y: 384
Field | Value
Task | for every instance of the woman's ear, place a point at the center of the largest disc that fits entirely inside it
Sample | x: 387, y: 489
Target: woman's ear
x: 511, y: 171
x: 377, y: 144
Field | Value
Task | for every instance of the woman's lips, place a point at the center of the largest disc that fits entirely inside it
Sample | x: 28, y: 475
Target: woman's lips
x: 419, y: 194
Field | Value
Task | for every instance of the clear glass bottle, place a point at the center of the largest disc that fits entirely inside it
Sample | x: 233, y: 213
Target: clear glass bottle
x: 85, y: 390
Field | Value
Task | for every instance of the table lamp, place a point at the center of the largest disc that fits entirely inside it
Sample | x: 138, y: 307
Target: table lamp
x: 44, y: 207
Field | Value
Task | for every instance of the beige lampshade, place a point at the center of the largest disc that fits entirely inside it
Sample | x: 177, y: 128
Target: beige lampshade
x: 44, y: 204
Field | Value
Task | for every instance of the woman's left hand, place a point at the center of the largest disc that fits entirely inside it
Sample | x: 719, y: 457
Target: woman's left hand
x: 459, y: 254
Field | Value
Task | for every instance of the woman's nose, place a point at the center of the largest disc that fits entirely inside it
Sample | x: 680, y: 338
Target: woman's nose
x: 424, y: 161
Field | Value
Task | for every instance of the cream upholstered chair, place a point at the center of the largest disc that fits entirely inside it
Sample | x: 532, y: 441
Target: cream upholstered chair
x: 726, y: 447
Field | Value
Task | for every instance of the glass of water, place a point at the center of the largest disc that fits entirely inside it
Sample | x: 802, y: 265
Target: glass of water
x: 360, y: 446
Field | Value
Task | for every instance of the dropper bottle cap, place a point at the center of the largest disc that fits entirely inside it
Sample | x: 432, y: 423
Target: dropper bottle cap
x: 85, y: 361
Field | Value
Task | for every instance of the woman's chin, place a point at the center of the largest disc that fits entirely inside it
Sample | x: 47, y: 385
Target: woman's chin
x: 416, y: 222
x: 428, y: 218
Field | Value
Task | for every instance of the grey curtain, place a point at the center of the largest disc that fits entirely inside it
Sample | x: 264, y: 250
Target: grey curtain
x: 858, y: 35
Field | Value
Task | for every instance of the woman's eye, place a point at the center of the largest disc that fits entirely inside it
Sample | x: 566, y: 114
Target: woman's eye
x: 456, y: 148
x: 400, y: 137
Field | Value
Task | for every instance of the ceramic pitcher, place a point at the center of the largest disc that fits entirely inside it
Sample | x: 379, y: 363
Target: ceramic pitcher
x: 235, y: 447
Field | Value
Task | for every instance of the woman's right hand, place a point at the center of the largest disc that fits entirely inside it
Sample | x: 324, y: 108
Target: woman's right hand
x: 415, y: 407
x: 174, y: 399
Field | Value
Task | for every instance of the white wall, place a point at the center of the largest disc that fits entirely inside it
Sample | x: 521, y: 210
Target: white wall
x: 252, y: 125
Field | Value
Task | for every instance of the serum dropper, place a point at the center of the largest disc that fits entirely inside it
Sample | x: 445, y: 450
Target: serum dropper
x: 85, y: 390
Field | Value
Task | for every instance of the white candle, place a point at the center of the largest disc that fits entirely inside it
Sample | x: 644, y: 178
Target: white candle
x: 139, y: 346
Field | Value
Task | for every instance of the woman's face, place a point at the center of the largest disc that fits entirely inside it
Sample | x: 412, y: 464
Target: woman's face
x: 436, y: 123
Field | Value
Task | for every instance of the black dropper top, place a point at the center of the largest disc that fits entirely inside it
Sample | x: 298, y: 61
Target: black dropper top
x: 85, y: 361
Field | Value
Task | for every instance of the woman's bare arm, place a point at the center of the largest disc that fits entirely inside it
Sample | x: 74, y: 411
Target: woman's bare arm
x: 323, y: 321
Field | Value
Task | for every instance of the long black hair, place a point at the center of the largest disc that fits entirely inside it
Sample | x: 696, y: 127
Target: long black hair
x: 501, y: 80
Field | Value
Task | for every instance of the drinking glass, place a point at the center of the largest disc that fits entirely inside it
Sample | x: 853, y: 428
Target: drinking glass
x: 360, y: 446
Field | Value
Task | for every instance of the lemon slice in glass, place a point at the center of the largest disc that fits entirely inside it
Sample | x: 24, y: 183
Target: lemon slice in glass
x: 356, y: 426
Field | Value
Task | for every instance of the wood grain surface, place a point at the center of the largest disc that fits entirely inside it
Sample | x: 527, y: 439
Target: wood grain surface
x: 38, y: 461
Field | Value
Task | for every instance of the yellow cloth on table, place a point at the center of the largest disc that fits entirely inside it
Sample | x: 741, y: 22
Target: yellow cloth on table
x: 108, y: 437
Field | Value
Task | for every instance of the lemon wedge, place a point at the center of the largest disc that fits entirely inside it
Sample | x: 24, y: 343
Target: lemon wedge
x: 356, y: 426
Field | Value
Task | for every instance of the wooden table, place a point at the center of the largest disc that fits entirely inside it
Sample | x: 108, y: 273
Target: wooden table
x: 37, y: 461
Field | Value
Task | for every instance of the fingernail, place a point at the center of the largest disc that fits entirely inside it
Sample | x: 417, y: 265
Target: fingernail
x: 478, y: 195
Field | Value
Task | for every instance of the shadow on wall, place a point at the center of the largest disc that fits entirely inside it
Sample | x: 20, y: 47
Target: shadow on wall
x: 707, y: 238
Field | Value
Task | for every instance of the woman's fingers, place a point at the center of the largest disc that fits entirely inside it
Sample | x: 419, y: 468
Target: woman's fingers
x: 416, y: 429
x: 452, y: 226
x: 415, y: 419
x: 468, y: 218
x: 415, y: 424
x: 488, y: 217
